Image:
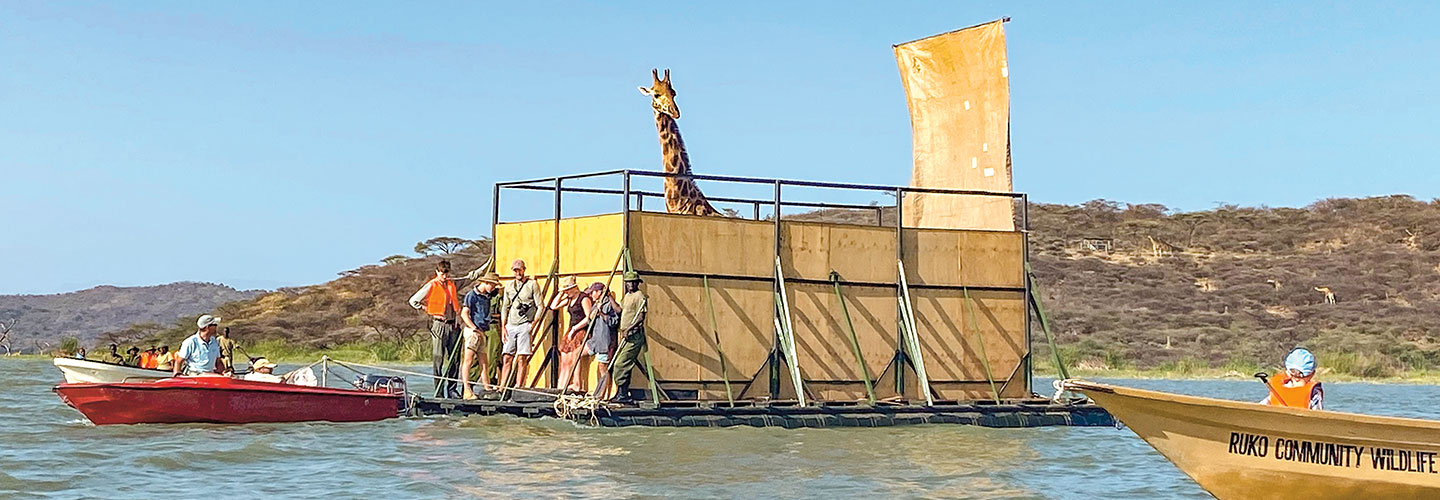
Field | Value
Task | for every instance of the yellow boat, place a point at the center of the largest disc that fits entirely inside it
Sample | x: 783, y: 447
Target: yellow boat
x: 1248, y: 450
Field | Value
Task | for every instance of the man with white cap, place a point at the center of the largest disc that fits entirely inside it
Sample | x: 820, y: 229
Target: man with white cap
x: 200, y: 353
x: 518, y: 306
x: 263, y: 370
x: 1296, y: 387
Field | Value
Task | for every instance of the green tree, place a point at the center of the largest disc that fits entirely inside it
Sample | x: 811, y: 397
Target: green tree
x: 444, y: 245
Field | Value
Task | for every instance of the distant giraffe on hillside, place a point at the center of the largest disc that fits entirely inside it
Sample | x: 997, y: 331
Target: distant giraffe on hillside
x: 1159, y: 248
x: 1329, y: 295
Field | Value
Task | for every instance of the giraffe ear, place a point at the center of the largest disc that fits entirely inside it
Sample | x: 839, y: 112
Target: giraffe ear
x: 646, y: 91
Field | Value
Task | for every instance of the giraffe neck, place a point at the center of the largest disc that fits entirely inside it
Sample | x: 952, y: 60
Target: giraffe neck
x: 672, y: 146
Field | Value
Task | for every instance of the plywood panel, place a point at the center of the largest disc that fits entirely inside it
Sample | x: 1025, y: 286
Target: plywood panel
x: 590, y: 244
x: 970, y: 258
x: 678, y: 327
x: 709, y: 245
x: 533, y: 242
x: 822, y: 340
x: 941, y: 319
x: 860, y: 253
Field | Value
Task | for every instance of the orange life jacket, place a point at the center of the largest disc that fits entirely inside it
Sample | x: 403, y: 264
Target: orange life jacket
x: 442, y: 292
x: 1294, y: 397
x: 147, y: 359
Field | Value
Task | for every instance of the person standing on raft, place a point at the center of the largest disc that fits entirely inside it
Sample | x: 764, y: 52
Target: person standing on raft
x: 632, y: 328
x: 438, y: 298
x: 1296, y: 387
x: 476, y: 315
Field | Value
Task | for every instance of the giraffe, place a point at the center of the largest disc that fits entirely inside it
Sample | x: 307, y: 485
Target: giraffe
x: 1329, y: 295
x: 682, y: 196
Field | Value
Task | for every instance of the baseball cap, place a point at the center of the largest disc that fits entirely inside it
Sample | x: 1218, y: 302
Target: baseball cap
x: 207, y: 320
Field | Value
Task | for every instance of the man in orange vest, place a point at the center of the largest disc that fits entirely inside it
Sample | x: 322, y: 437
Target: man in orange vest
x: 1296, y: 387
x: 438, y: 298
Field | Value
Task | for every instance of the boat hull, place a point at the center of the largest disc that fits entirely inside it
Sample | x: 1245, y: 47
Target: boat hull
x: 1252, y: 451
x: 224, y: 400
x: 85, y: 371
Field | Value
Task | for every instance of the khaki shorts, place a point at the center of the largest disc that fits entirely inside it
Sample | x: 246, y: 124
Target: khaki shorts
x: 473, y: 338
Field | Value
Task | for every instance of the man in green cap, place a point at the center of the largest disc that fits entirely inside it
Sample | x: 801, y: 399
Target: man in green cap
x: 632, y: 326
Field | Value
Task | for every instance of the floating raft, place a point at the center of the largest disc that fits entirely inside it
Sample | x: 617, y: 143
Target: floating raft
x: 789, y: 415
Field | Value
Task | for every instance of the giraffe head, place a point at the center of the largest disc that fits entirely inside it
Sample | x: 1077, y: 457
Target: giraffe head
x: 662, y: 95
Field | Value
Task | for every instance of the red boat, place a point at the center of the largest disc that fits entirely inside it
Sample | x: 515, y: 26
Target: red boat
x: 224, y: 400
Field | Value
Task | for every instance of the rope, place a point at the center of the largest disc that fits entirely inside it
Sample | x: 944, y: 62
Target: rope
x: 352, y: 364
x: 568, y: 406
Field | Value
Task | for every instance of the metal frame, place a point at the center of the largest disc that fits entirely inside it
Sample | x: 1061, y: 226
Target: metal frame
x: 777, y: 204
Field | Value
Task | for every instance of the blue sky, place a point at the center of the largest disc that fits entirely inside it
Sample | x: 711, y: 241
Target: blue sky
x: 271, y: 144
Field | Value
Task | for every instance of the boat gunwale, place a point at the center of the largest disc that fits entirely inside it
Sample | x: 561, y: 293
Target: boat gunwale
x: 161, y: 385
x: 1201, y: 401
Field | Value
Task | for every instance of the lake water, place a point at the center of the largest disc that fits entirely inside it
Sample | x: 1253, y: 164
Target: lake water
x: 50, y: 451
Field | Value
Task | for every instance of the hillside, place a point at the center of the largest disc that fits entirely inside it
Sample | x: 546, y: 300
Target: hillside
x: 89, y: 314
x: 1232, y: 286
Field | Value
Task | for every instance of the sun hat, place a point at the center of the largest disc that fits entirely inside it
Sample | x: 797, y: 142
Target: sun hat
x: 262, y: 363
x: 595, y: 287
x: 207, y: 320
x: 567, y: 283
x: 491, y: 277
x: 1300, y: 360
x: 632, y: 276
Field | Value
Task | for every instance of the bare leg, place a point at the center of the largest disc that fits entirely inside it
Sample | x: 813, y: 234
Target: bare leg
x: 567, y: 360
x: 484, y: 368
x: 521, y: 365
x: 602, y: 382
x: 465, y: 361
x: 505, y: 366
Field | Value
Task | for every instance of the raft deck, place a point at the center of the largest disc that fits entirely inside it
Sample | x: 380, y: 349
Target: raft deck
x: 1013, y: 413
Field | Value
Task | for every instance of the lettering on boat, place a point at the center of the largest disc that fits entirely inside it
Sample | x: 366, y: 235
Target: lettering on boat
x: 1332, y: 454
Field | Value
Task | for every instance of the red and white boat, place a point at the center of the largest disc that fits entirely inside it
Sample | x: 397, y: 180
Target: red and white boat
x: 224, y: 400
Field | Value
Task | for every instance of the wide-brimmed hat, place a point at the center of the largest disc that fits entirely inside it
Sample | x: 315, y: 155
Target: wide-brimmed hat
x: 262, y: 363
x: 491, y: 277
x: 632, y: 276
x: 567, y: 283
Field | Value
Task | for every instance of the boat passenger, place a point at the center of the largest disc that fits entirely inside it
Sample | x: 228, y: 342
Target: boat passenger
x: 518, y: 306
x: 262, y: 370
x: 164, y: 359
x: 475, y: 313
x: 632, y: 326
x: 602, y: 333
x: 80, y: 354
x: 200, y: 353
x: 114, y: 356
x: 1296, y: 386
x: 439, y: 299
x: 132, y: 356
x: 148, y: 358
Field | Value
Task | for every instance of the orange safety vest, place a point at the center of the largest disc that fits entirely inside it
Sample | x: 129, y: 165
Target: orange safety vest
x: 1294, y: 397
x: 147, y: 360
x: 435, y: 302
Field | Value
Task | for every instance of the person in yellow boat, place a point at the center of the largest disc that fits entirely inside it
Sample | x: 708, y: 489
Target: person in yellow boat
x: 1296, y: 387
x: 164, y: 359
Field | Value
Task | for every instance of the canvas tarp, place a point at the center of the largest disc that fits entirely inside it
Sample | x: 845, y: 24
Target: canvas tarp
x: 957, y: 88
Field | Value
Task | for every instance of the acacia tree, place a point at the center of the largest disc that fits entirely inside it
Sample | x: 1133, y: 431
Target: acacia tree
x: 445, y: 245
x: 394, y: 259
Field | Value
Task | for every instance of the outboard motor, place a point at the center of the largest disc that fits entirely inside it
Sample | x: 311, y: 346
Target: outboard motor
x: 386, y: 384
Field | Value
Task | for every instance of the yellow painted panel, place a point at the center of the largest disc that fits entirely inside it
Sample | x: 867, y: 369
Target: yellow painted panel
x: 590, y: 244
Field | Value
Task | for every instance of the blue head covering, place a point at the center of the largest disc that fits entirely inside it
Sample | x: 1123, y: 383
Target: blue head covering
x: 1300, y: 359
